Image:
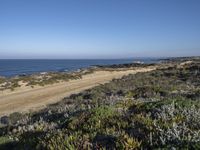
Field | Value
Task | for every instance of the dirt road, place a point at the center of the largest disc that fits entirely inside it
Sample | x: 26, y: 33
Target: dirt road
x: 31, y: 99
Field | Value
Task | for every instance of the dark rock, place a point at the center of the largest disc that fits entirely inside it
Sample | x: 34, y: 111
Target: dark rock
x: 5, y: 120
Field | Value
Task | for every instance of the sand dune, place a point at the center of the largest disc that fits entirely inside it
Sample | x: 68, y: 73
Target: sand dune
x: 30, y: 99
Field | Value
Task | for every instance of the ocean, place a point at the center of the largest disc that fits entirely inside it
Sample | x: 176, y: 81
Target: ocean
x: 13, y: 67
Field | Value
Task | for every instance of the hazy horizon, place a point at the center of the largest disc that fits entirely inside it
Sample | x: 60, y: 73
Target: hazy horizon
x: 107, y: 29
x: 109, y: 58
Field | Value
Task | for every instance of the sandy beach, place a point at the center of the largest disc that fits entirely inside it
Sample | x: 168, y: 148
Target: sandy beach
x: 25, y: 99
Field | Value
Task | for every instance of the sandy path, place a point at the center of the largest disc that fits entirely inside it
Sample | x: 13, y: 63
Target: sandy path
x: 31, y: 99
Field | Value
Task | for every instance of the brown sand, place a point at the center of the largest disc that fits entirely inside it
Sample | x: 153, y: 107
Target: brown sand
x: 31, y: 99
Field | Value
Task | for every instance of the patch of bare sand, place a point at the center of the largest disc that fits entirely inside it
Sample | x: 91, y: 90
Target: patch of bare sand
x: 31, y: 99
x: 185, y: 63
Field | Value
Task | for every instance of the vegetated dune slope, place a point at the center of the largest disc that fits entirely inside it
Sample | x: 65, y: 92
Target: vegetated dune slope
x: 31, y: 99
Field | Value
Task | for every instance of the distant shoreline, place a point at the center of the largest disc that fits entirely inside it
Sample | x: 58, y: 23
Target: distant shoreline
x: 46, y: 78
x: 20, y: 67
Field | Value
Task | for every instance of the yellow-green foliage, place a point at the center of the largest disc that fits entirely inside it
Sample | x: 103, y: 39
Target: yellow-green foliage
x: 62, y: 141
x: 4, y: 140
x: 128, y: 143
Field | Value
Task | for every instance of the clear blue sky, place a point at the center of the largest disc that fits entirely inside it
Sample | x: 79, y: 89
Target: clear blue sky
x: 99, y: 28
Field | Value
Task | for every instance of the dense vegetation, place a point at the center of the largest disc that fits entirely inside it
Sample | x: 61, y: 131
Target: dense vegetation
x: 153, y: 110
